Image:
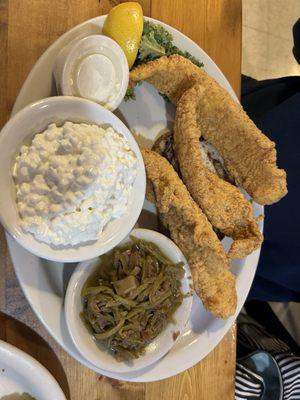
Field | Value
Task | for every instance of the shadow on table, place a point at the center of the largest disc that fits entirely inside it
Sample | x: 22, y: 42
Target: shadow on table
x: 24, y: 338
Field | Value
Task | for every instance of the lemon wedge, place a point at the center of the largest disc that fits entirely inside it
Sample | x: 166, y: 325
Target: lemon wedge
x: 124, y: 24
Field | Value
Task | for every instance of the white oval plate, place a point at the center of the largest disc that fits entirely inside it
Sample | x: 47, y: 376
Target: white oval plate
x: 20, y: 373
x: 44, y: 282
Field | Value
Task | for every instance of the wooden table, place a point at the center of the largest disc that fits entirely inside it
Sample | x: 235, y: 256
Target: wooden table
x: 27, y: 28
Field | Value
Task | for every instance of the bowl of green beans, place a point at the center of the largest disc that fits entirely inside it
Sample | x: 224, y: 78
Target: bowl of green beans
x: 128, y: 308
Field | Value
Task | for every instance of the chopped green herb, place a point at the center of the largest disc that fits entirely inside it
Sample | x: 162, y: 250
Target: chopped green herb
x: 130, y: 94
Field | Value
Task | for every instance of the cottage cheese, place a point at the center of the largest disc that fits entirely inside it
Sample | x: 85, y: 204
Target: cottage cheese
x: 71, y: 181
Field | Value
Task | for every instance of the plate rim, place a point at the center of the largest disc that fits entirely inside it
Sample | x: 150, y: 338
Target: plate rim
x: 25, y: 359
x: 228, y: 323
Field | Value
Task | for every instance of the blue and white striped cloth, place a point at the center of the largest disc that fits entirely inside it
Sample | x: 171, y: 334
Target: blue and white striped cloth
x: 249, y: 385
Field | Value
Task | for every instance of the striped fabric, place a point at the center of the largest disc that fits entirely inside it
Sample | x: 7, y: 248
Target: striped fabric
x: 249, y: 385
x: 289, y: 366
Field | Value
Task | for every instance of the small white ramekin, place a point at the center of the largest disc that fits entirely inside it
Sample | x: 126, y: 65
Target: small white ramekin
x: 80, y: 49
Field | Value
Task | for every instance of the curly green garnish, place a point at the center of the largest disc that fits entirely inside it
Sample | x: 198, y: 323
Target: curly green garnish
x: 156, y: 42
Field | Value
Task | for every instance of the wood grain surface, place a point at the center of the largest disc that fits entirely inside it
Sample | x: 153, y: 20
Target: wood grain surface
x: 27, y: 28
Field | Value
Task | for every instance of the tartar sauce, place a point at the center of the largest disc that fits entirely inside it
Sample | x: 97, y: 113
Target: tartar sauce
x: 94, y: 67
x: 71, y: 181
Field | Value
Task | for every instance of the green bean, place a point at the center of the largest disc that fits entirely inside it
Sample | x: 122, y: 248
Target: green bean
x: 96, y: 290
x: 127, y: 323
x: 110, y: 332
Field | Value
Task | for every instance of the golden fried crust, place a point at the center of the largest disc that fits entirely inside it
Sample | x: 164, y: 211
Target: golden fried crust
x: 224, y: 205
x: 249, y: 155
x: 150, y: 196
x: 170, y: 75
x: 191, y: 231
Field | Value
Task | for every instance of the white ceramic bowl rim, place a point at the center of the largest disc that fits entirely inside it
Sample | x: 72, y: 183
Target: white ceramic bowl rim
x: 35, y: 118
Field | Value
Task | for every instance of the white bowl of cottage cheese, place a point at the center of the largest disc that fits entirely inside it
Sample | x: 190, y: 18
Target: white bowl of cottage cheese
x: 72, y: 179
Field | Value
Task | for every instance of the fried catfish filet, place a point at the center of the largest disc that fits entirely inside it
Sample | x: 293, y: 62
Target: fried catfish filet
x: 224, y: 205
x: 250, y: 157
x: 171, y: 76
x: 193, y: 234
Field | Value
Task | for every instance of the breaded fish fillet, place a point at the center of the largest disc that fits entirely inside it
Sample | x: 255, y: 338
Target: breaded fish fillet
x: 224, y: 205
x: 250, y: 157
x: 170, y: 75
x: 191, y: 231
